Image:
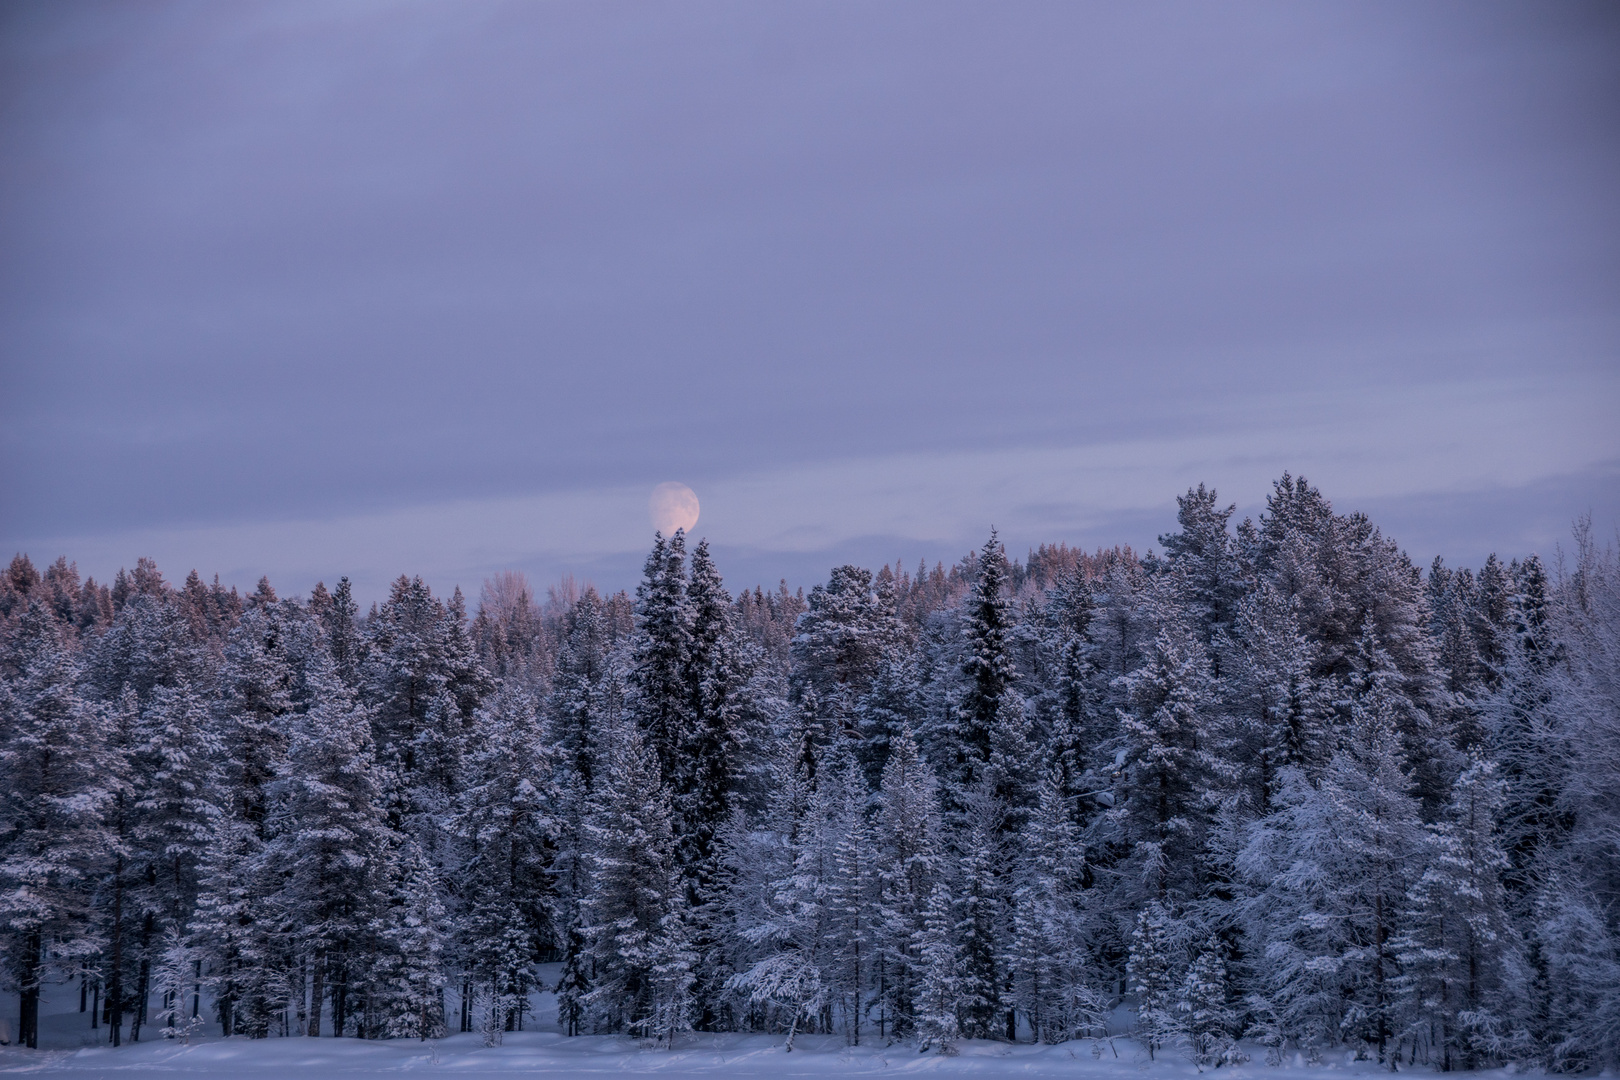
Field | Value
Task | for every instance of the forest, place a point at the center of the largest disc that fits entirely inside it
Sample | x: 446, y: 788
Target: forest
x: 1271, y: 789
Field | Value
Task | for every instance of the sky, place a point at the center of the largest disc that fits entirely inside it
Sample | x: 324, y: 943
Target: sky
x: 370, y: 288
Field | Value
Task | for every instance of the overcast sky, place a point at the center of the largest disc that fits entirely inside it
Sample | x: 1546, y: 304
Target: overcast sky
x: 445, y: 288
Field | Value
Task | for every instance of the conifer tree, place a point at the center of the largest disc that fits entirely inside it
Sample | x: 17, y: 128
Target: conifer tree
x: 909, y: 863
x: 635, y: 900
x: 587, y: 693
x: 1461, y: 969
x: 790, y: 923
x: 177, y: 801
x: 1278, y: 715
x: 53, y: 804
x: 1054, y: 978
x: 849, y: 627
x: 414, y: 963
x: 329, y: 831
x: 1166, y: 766
x: 258, y: 684
x: 982, y: 918
x: 939, y: 992
x: 1155, y: 977
x: 508, y: 828
x: 234, y: 929
x: 851, y: 897
x: 120, y: 922
x: 893, y: 703
x: 660, y: 694
x: 1331, y: 868
x: 1204, y: 1011
x: 988, y: 666
x: 422, y: 680
x: 176, y: 980
x: 1201, y: 559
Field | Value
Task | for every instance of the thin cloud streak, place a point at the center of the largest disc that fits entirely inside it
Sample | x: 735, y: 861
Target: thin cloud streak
x: 939, y: 504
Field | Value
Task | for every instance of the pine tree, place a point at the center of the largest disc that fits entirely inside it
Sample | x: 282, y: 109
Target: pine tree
x: 789, y: 921
x: 634, y: 893
x: 508, y: 828
x: 177, y: 799
x: 1155, y: 978
x: 848, y: 629
x: 719, y: 668
x: 1204, y: 1012
x: 1202, y: 566
x: 1331, y: 868
x: 587, y: 692
x: 1461, y: 969
x: 1166, y: 765
x: 340, y: 619
x: 940, y: 990
x: 1278, y: 714
x: 53, y: 805
x: 423, y: 682
x: 120, y: 921
x: 414, y: 930
x: 909, y: 863
x: 851, y: 897
x: 176, y: 982
x: 982, y: 927
x: 1054, y: 978
x: 660, y: 698
x: 329, y: 829
x: 258, y: 684
x: 235, y: 930
x: 988, y: 666
x: 889, y: 706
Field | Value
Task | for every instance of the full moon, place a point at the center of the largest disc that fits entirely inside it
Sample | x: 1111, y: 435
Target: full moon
x: 673, y: 506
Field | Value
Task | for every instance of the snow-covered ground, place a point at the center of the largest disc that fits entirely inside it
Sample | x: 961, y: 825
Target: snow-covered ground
x: 73, y: 1051
x: 551, y: 1054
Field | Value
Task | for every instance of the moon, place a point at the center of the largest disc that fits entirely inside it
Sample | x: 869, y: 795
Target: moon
x: 673, y: 506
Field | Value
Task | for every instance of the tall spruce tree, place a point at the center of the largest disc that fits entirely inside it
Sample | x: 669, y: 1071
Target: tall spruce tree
x: 634, y: 909
x: 54, y: 838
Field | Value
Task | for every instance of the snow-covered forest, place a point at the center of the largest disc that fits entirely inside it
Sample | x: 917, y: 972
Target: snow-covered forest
x: 1273, y: 789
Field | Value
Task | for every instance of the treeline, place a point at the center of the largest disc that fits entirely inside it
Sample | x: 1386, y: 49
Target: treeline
x: 1272, y: 784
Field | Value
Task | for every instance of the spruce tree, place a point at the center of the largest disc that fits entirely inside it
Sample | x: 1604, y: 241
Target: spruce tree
x: 1204, y: 1010
x: 54, y: 838
x: 329, y: 831
x: 1331, y: 869
x: 634, y: 895
x: 660, y: 694
x: 414, y: 963
x: 940, y: 989
x: 987, y: 667
x: 1155, y: 977
x: 909, y: 863
x: 1055, y: 977
x: 508, y: 828
x: 1462, y: 974
x: 1167, y: 767
x: 790, y: 922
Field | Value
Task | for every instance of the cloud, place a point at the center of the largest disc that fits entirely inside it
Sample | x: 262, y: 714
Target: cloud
x: 1483, y: 451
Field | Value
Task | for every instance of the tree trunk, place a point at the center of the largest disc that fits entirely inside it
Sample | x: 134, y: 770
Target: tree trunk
x: 28, y: 1011
x: 115, y: 980
x: 317, y: 989
x: 142, y: 984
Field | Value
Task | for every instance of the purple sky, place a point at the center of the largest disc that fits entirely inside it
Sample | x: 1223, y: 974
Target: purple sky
x: 311, y: 289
